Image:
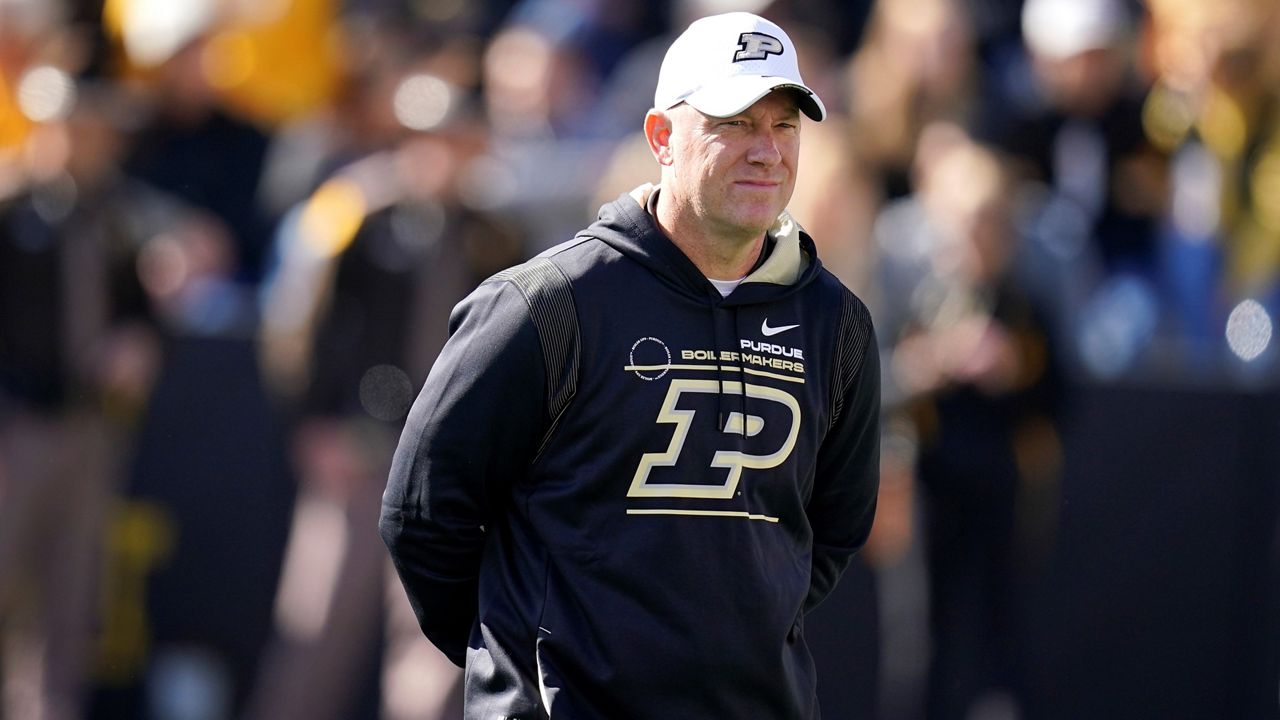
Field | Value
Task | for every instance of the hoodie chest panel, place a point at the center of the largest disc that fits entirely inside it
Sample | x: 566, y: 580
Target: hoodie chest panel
x: 688, y: 410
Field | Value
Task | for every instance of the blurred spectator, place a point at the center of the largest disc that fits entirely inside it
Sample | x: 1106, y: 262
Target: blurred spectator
x: 995, y: 25
x: 186, y: 604
x: 841, y: 23
x: 836, y: 200
x: 539, y: 93
x: 970, y: 363
x: 537, y: 83
x: 271, y: 62
x: 1215, y: 107
x: 370, y: 266
x: 78, y: 351
x: 916, y: 66
x: 1091, y: 184
x: 1080, y: 128
x: 602, y: 32
x: 378, y: 54
x: 189, y: 144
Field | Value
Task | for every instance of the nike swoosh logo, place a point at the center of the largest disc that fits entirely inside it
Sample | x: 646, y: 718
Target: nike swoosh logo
x: 771, y: 331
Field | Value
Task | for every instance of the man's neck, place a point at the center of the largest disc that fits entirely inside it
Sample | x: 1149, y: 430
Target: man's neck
x: 718, y: 256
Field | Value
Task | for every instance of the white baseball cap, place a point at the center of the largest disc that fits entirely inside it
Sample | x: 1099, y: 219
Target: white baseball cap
x: 723, y: 64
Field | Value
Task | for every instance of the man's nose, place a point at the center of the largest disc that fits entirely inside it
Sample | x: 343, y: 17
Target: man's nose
x: 764, y: 148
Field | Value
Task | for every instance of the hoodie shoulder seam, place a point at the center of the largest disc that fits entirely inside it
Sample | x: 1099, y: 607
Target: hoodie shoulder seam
x: 852, y: 337
x: 567, y: 245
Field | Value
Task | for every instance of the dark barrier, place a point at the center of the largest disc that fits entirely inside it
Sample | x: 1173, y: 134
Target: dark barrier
x: 201, y: 536
x: 1159, y: 600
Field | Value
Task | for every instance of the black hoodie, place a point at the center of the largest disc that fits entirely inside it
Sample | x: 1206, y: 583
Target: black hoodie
x: 649, y: 552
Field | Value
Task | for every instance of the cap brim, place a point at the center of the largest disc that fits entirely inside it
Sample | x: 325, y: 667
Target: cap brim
x: 734, y: 94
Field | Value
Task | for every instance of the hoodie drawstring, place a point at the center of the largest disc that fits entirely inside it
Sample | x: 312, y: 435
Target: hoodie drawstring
x: 723, y: 413
x: 742, y: 372
x: 715, y: 335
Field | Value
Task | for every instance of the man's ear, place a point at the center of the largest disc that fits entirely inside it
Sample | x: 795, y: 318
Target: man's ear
x: 657, y: 130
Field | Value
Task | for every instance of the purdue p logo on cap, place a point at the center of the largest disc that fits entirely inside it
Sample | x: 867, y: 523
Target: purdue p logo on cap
x: 757, y: 46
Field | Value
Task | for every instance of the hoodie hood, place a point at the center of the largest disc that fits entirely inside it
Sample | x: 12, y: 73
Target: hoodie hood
x: 627, y: 226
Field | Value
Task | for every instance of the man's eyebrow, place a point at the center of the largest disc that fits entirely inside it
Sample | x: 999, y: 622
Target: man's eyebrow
x: 714, y: 119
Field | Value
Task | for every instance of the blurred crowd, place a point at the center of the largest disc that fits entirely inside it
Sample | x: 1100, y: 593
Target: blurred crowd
x: 231, y: 233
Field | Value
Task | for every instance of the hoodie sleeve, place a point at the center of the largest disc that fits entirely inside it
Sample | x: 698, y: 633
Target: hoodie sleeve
x: 473, y: 428
x: 843, y: 504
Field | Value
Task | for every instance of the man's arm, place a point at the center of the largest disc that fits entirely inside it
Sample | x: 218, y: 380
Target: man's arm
x: 847, y: 480
x: 472, y: 432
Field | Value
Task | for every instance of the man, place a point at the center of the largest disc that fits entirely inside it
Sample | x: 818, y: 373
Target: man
x: 643, y: 456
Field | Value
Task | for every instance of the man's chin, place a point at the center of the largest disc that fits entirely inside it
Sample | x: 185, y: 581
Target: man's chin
x: 759, y: 220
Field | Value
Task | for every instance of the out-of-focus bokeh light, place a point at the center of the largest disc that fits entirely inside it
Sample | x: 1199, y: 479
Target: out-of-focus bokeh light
x: 518, y: 67
x: 486, y: 183
x: 332, y: 216
x: 422, y: 102
x: 1249, y: 330
x: 1266, y: 189
x: 1064, y: 28
x: 308, y: 577
x: 277, y: 60
x: 229, y: 59
x: 386, y: 392
x: 1118, y: 326
x: 1167, y: 117
x: 56, y: 199
x: 415, y: 229
x: 190, y: 682
x: 162, y: 266
x: 1223, y: 124
x: 154, y: 30
x: 1197, y: 182
x: 46, y: 93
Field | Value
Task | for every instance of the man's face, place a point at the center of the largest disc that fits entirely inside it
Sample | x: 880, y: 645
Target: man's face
x: 736, y: 174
